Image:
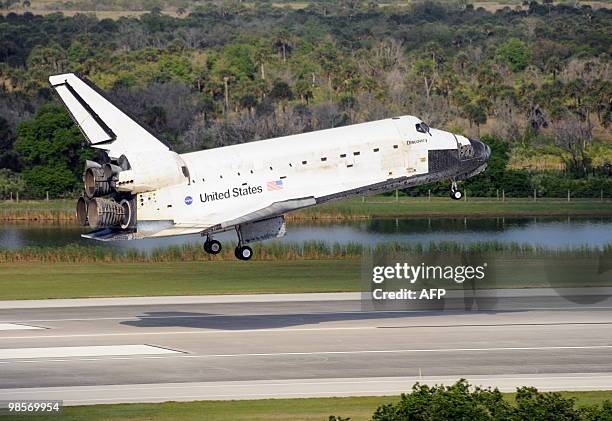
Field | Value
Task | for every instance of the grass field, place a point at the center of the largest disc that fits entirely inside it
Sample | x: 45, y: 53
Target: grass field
x: 381, y: 207
x: 29, y: 281
x: 42, y: 280
x: 34, y: 205
x: 319, y: 409
x: 373, y: 207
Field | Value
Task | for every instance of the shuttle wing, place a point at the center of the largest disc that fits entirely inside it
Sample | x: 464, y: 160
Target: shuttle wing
x: 170, y: 228
x: 103, y: 124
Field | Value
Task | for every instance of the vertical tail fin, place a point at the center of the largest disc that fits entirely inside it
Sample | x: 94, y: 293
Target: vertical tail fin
x: 104, y: 125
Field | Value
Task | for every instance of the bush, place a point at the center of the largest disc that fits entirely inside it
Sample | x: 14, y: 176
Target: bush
x: 515, y: 54
x: 10, y: 182
x: 462, y: 401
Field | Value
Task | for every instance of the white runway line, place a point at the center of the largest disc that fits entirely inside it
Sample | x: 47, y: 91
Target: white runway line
x: 14, y: 326
x: 178, y: 354
x: 83, y: 351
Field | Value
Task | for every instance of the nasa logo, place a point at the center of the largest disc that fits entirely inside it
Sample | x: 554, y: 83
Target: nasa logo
x: 188, y: 200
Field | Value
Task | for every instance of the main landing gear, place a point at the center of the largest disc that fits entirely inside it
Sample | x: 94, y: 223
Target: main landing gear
x: 212, y: 246
x: 455, y: 193
x: 242, y: 252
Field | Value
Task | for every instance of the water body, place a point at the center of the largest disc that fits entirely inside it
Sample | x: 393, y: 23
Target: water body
x: 544, y: 231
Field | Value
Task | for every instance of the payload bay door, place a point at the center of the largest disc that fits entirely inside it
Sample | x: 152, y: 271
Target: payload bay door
x: 414, y: 147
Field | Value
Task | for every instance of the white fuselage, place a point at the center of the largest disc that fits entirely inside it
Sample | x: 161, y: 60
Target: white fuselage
x: 141, y: 188
x: 228, y: 182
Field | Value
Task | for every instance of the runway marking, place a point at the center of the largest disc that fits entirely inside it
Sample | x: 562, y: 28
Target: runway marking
x: 178, y: 354
x: 82, y: 351
x: 398, y: 351
x: 16, y: 326
x: 130, y: 317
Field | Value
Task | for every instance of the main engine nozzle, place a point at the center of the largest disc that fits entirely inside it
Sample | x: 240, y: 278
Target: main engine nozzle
x: 96, y: 182
x: 105, y: 213
x: 81, y: 211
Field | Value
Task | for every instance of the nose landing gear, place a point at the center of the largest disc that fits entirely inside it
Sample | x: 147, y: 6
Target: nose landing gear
x: 455, y: 193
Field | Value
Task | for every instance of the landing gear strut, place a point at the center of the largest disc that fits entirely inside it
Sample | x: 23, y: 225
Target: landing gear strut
x: 455, y: 193
x: 242, y: 252
x: 212, y: 246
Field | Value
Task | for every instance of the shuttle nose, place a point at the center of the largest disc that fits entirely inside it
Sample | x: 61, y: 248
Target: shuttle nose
x: 482, y: 151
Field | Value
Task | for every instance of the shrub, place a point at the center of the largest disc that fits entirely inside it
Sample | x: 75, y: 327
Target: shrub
x: 461, y: 401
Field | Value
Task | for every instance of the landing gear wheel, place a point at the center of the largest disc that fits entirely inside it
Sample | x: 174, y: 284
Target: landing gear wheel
x: 243, y: 252
x: 212, y: 246
x: 455, y: 193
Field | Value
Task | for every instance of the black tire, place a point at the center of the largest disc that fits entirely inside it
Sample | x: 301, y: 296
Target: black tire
x: 243, y: 252
x: 456, y: 195
x: 214, y: 247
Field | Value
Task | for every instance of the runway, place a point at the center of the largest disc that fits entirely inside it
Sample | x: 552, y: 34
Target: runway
x: 247, y: 347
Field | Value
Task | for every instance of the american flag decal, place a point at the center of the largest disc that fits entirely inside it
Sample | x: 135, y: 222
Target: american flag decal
x: 275, y: 185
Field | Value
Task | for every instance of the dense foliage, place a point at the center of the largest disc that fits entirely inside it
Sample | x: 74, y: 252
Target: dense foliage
x: 462, y: 402
x: 536, y: 76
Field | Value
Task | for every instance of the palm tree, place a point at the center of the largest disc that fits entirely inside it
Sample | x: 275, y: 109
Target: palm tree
x: 302, y: 88
x: 462, y: 60
x: 553, y: 65
x: 283, y: 41
x: 425, y: 69
x: 261, y: 57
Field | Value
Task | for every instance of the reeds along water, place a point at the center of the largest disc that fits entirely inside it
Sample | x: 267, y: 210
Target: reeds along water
x: 276, y: 251
x: 54, y: 216
x: 31, y: 215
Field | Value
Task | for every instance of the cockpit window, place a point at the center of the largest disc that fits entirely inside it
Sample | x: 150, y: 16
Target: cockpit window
x: 422, y: 127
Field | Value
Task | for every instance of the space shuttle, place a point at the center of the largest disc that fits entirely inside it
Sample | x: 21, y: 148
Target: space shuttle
x: 140, y: 188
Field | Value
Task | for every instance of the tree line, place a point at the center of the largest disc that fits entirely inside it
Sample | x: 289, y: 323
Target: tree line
x: 535, y: 76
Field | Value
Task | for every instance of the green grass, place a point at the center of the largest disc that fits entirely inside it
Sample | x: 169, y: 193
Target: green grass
x: 40, y: 280
x: 66, y: 280
x: 319, y: 409
x: 381, y: 207
x: 54, y: 204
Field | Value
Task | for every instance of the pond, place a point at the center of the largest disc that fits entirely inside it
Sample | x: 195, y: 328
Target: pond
x: 545, y: 231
